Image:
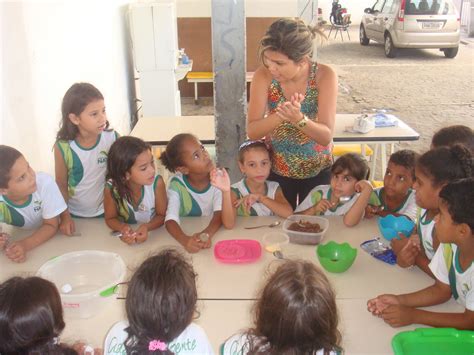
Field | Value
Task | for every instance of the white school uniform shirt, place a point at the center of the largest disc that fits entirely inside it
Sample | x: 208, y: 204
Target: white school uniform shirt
x: 45, y: 203
x: 192, y: 341
x: 185, y: 201
x: 426, y: 229
x: 86, y: 169
x: 146, y: 205
x: 258, y: 209
x: 407, y: 208
x: 324, y: 192
x: 446, y: 257
x: 238, y: 344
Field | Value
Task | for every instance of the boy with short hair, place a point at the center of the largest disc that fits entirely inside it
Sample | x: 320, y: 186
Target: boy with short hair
x: 452, y: 265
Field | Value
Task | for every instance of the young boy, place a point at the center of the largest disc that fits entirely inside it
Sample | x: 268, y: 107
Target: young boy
x: 396, y: 196
x: 451, y: 135
x: 452, y: 266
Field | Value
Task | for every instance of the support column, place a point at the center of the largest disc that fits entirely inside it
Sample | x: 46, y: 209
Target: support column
x: 230, y: 88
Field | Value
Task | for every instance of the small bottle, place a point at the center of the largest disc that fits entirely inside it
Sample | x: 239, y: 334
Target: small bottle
x: 185, y: 59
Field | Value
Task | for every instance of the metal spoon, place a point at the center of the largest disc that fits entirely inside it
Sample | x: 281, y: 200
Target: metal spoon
x: 344, y: 199
x: 278, y: 254
x: 271, y: 225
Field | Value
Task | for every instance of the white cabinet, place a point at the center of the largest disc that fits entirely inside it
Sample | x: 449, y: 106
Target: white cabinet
x: 154, y: 33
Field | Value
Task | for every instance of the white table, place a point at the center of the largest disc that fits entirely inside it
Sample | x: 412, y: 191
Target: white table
x: 160, y: 130
x: 227, y: 292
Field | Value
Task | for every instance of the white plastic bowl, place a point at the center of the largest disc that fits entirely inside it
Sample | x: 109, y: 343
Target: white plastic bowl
x: 84, y: 275
x: 273, y: 241
x: 304, y: 237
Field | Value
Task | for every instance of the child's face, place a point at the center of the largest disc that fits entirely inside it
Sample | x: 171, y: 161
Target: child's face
x: 445, y: 227
x: 22, y: 179
x: 397, y: 180
x: 196, y: 159
x: 256, y: 165
x: 142, y: 171
x: 92, y: 119
x: 426, y: 193
x: 343, y: 184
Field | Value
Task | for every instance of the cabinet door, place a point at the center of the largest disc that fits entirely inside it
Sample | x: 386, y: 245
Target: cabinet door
x: 166, y: 35
x: 143, y: 39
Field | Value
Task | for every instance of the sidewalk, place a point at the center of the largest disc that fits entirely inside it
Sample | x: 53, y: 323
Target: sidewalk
x: 465, y: 39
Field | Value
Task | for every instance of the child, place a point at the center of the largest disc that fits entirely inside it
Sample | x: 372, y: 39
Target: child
x: 160, y: 305
x: 133, y: 193
x: 451, y: 135
x: 347, y: 195
x: 31, y: 319
x: 452, y: 266
x: 296, y: 313
x: 190, y: 192
x: 254, y: 195
x: 396, y: 196
x: 80, y: 153
x: 27, y: 200
x: 433, y: 170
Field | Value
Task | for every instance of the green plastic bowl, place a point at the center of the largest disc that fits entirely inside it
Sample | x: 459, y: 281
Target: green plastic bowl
x: 335, y: 257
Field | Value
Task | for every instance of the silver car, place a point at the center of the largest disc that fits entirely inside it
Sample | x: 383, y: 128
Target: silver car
x: 412, y: 24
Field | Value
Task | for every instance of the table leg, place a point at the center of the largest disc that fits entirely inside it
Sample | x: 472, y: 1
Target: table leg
x: 195, y: 93
x: 374, y: 161
x: 383, y: 157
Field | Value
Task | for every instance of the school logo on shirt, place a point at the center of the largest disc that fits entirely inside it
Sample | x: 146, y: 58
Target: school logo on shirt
x: 37, y: 205
x: 102, y: 158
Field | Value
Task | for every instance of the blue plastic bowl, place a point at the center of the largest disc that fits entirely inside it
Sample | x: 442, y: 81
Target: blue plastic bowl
x: 391, y: 225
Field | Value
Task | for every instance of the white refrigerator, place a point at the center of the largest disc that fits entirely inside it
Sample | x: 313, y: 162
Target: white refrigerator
x: 154, y: 34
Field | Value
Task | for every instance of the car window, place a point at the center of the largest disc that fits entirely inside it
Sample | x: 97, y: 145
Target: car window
x: 429, y: 7
x: 378, y: 6
x: 387, y: 8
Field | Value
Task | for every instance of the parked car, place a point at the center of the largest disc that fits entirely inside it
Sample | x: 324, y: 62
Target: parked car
x: 412, y: 24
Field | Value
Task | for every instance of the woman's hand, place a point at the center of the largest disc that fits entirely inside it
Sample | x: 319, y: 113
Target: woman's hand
x: 290, y: 111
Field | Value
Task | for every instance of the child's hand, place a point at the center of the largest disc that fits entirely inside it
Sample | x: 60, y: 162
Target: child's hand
x: 67, y: 225
x: 398, y: 244
x: 128, y: 235
x: 207, y: 243
x: 141, y: 234
x: 4, y: 238
x: 322, y: 206
x: 247, y: 201
x: 83, y: 348
x: 372, y: 211
x: 220, y: 179
x: 16, y: 252
x: 397, y: 315
x: 407, y: 255
x: 378, y: 304
x: 193, y: 244
x: 363, y: 186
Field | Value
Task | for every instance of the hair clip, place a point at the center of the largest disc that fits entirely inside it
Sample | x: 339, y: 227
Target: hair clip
x: 157, y: 345
x: 251, y: 142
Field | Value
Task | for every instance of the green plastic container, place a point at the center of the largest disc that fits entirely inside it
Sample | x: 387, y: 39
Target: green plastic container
x: 335, y: 257
x: 434, y: 341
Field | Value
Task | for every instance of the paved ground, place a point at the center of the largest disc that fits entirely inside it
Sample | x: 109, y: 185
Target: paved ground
x: 422, y: 87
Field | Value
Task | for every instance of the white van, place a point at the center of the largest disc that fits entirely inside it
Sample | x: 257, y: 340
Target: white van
x: 412, y: 24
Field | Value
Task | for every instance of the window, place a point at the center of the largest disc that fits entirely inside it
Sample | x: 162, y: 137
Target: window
x: 428, y: 7
x: 378, y: 6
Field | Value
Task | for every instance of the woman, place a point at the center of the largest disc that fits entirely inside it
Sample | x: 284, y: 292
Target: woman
x: 293, y: 104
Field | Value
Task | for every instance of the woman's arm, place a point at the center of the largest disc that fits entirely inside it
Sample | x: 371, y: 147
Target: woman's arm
x: 280, y: 206
x: 67, y: 224
x: 258, y: 125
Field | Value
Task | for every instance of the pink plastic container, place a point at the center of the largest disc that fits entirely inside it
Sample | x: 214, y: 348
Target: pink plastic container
x: 237, y: 251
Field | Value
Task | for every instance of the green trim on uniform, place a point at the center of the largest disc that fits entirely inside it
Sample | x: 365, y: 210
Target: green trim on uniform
x: 188, y: 206
x: 13, y: 204
x: 86, y: 149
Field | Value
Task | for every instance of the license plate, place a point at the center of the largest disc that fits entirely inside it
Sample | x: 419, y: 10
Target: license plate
x: 431, y: 25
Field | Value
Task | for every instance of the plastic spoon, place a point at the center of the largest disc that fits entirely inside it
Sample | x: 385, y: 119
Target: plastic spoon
x: 271, y: 225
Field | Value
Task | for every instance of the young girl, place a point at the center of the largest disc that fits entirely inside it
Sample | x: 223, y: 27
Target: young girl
x: 27, y: 200
x: 253, y: 195
x: 190, y: 192
x: 80, y: 153
x: 433, y: 170
x: 296, y: 313
x: 396, y: 196
x: 133, y: 193
x: 452, y: 265
x: 160, y: 305
x: 347, y: 195
x: 31, y: 319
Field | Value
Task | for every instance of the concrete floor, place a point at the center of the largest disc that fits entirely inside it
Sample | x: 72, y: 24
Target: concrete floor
x: 421, y: 86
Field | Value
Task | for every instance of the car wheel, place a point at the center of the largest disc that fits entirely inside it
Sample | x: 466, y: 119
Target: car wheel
x: 450, y: 52
x: 363, y: 39
x: 390, y: 49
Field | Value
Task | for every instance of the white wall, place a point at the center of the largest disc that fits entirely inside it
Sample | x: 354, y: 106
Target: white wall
x: 46, y: 47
